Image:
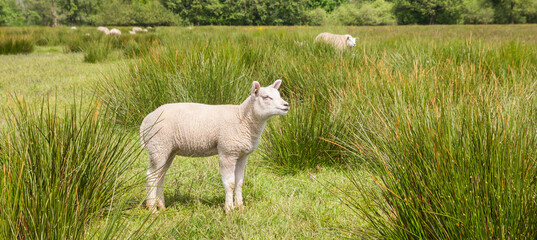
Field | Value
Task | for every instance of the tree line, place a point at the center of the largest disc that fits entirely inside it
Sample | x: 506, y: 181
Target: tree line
x: 264, y: 12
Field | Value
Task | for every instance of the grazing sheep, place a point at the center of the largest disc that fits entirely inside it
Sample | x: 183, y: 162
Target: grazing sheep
x: 200, y: 130
x: 145, y: 30
x: 104, y: 30
x: 137, y: 29
x: 338, y: 41
x: 132, y: 32
x: 115, y: 31
x: 73, y: 28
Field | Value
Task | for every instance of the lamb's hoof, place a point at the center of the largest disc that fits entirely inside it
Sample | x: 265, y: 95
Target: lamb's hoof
x: 239, y: 207
x: 228, y: 209
x: 155, y: 208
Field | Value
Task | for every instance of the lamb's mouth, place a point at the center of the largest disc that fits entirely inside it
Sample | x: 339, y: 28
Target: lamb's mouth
x: 284, y: 109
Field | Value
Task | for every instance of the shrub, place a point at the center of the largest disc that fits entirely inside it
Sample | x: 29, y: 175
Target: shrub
x: 477, y: 12
x: 378, y: 12
x: 119, y: 13
x: 315, y: 17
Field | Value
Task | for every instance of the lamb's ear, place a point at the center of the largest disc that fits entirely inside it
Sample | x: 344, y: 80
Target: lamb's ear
x: 348, y: 37
x: 255, y: 88
x: 277, y: 84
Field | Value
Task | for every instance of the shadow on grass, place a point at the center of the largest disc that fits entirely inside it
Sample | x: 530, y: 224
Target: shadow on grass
x: 187, y: 199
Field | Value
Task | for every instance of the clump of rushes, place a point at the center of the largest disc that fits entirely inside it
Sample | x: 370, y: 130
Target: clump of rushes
x: 61, y: 168
x: 450, y: 149
x: 97, y: 51
x: 16, y: 44
x: 302, y: 139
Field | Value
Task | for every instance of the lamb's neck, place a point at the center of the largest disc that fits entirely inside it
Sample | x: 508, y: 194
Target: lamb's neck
x: 253, y: 123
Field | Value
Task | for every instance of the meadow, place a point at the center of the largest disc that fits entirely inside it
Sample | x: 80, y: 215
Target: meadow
x: 418, y: 132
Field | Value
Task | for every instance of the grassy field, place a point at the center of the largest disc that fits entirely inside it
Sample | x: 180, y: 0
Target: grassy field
x: 418, y: 132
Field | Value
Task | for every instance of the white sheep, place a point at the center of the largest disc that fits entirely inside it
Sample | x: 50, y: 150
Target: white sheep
x: 137, y: 29
x: 145, y: 30
x: 132, y: 32
x: 200, y: 130
x: 115, y: 31
x: 104, y: 30
x: 338, y: 41
x: 73, y: 28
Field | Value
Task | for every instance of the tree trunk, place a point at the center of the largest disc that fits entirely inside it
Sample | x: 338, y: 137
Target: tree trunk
x: 431, y: 19
x: 54, y: 14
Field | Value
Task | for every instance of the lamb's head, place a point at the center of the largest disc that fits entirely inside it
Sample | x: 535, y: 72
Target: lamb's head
x: 350, y: 40
x: 267, y: 101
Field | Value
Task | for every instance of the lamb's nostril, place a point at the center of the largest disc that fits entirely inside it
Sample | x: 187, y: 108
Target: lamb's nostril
x: 286, y: 104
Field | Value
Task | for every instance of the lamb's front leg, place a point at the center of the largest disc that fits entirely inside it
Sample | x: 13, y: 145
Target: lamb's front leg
x: 239, y: 180
x: 227, y: 170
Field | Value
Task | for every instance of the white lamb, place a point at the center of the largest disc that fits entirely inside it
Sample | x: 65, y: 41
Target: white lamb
x: 137, y: 29
x: 73, y: 28
x: 200, y: 130
x: 115, y: 31
x: 338, y: 41
x: 104, y: 30
x: 132, y: 32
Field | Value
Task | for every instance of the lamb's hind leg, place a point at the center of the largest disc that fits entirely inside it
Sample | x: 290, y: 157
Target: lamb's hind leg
x: 227, y: 170
x: 158, y: 166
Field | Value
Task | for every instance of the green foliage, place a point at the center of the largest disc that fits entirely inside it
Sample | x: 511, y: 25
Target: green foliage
x: 315, y: 17
x: 243, y: 12
x: 377, y: 12
x: 477, y: 12
x: 428, y: 12
x: 120, y: 13
x: 61, y: 168
x: 327, y: 5
x: 9, y: 14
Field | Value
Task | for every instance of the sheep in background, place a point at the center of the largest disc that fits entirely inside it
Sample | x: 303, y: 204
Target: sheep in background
x: 145, y: 30
x: 200, y: 130
x: 338, y: 41
x: 132, y: 32
x: 137, y: 29
x: 104, y: 30
x: 115, y: 31
x: 73, y: 28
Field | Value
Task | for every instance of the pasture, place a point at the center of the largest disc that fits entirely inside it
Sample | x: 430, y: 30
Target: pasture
x: 418, y: 132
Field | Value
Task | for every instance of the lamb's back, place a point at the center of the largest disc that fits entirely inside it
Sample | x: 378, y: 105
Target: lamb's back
x: 191, y: 128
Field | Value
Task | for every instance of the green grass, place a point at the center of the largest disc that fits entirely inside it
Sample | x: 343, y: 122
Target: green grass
x: 417, y: 132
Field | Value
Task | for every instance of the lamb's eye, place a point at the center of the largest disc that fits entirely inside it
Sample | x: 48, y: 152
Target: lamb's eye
x: 266, y: 97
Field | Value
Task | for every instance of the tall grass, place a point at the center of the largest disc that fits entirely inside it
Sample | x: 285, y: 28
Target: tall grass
x: 61, y: 170
x: 97, y: 51
x: 449, y: 144
x: 16, y: 45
